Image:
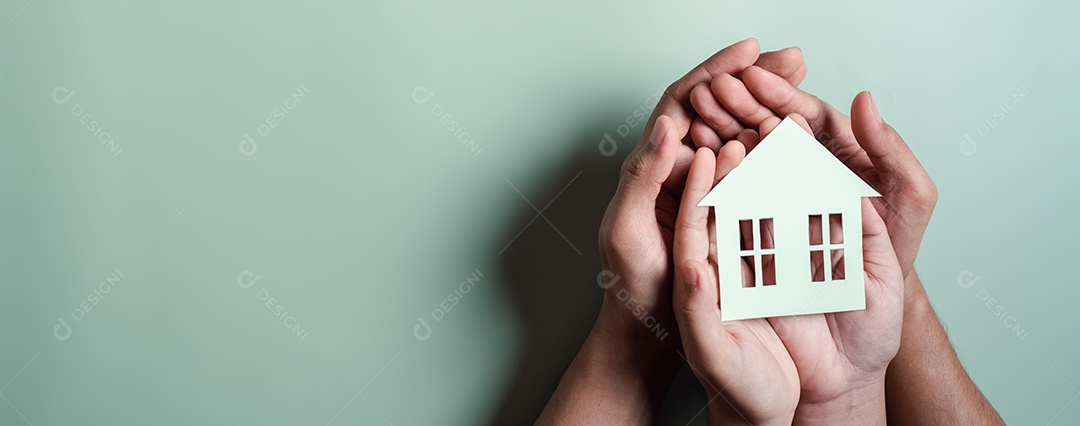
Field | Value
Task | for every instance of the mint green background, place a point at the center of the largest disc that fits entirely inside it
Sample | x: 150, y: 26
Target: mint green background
x: 361, y: 212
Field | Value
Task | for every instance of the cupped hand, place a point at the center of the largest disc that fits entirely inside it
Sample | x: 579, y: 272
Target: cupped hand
x: 743, y: 365
x: 637, y: 231
x: 842, y: 357
x: 865, y: 143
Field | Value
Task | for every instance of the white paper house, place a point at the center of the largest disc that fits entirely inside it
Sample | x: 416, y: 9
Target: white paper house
x: 789, y: 184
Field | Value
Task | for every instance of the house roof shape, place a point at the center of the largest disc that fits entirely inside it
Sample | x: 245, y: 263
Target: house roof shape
x: 788, y: 168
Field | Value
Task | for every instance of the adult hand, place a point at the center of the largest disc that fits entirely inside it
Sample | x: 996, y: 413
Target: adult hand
x: 927, y: 383
x: 638, y: 226
x: 865, y: 143
x: 842, y: 357
x: 623, y: 369
x: 743, y: 362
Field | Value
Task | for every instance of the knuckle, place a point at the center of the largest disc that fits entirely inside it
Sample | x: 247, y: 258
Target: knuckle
x: 812, y: 114
x: 712, y: 68
x: 685, y: 309
x: 635, y: 168
x: 687, y: 313
x: 692, y: 223
x: 783, y: 98
x: 720, y: 122
x: 925, y: 193
x: 672, y: 92
x: 759, y: 113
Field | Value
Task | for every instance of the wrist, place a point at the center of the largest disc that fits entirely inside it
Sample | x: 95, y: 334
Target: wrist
x: 622, y: 341
x: 919, y: 315
x: 862, y: 405
x: 618, y: 351
x: 915, y: 298
x: 610, y: 381
x: 624, y: 320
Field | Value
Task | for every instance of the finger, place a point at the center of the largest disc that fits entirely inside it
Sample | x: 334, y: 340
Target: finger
x: 908, y: 191
x: 684, y: 155
x: 691, y: 226
x: 885, y: 148
x: 830, y: 126
x: 868, y: 329
x: 727, y: 159
x: 732, y: 59
x: 737, y: 100
x: 798, y: 119
x: 749, y: 139
x: 704, y: 136
x: 646, y: 170
x: 704, y: 102
x: 787, y: 63
x: 879, y: 262
x: 776, y: 93
x: 768, y: 126
x: 675, y: 102
x: 696, y: 304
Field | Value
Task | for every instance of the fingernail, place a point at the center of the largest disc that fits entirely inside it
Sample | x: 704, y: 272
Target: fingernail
x: 873, y: 107
x: 691, y: 275
x: 658, y: 132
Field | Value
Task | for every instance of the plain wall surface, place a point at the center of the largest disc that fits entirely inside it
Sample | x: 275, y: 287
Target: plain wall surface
x: 412, y: 146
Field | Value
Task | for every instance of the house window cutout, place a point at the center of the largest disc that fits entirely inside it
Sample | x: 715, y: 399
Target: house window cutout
x: 757, y: 250
x: 836, y: 228
x: 749, y: 276
x: 768, y: 269
x: 766, y: 232
x: 838, y: 264
x: 832, y: 231
x: 746, y: 233
x: 815, y: 230
x: 817, y: 272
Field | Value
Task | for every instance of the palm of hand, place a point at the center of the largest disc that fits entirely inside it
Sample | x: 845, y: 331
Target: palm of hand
x: 833, y: 352
x: 766, y: 381
x: 768, y: 378
x: 837, y: 352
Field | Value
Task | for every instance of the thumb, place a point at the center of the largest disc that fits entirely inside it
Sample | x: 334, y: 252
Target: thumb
x: 885, y: 148
x: 881, y: 267
x: 696, y: 308
x: 648, y: 167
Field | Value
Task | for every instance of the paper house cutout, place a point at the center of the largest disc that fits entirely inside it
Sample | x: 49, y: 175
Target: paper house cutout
x: 787, y: 183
